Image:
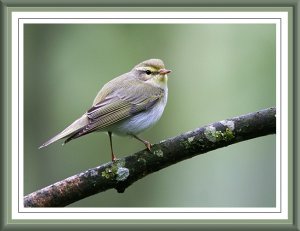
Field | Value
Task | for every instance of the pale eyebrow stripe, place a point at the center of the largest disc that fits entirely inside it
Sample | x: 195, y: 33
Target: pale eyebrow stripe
x: 146, y: 68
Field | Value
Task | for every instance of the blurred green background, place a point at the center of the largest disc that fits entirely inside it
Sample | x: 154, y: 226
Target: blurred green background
x: 219, y: 71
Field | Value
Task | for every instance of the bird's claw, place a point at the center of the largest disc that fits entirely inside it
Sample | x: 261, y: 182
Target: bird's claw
x: 148, y: 146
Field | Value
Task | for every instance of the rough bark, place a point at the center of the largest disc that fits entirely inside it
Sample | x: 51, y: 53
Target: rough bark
x: 122, y: 173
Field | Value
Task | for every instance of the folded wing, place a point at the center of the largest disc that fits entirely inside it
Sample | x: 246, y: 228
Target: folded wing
x: 117, y: 106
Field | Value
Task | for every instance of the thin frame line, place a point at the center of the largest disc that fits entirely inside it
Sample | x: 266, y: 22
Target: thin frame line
x: 280, y: 29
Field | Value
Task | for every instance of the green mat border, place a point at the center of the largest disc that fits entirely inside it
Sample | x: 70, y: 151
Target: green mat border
x: 9, y: 6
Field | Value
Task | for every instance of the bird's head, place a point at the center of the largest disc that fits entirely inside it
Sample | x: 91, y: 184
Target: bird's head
x: 152, y: 71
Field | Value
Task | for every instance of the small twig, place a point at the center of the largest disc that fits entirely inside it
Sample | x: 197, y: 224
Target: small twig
x: 123, y: 172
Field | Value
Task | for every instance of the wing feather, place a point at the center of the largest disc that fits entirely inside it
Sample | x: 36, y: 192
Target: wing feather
x: 117, y: 106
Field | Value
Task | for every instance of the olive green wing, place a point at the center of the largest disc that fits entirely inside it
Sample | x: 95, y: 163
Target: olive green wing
x: 117, y: 105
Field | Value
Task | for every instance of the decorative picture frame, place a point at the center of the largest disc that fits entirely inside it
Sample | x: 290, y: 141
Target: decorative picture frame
x: 16, y: 214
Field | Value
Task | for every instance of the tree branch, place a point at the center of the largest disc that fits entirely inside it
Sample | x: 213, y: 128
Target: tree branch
x: 124, y: 172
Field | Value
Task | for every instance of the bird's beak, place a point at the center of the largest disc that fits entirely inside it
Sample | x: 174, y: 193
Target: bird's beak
x: 164, y: 71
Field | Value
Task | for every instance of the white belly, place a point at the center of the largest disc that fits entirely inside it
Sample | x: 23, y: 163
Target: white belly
x: 140, y: 122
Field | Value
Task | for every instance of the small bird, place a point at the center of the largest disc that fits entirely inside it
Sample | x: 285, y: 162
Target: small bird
x: 126, y: 105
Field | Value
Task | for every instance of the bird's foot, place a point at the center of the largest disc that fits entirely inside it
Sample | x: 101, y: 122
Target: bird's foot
x: 148, y: 145
x: 113, y: 157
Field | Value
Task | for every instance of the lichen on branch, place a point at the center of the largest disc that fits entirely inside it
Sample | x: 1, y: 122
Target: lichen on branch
x: 121, y: 173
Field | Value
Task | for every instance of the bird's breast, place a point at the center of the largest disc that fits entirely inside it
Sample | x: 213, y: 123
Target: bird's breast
x: 141, y: 121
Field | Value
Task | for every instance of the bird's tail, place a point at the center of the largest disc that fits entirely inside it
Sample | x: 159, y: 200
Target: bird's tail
x: 78, y: 125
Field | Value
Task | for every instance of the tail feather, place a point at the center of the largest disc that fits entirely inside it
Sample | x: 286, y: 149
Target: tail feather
x: 79, y: 124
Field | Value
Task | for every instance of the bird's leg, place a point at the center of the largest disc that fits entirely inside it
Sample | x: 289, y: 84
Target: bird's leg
x: 113, y: 157
x: 145, y: 142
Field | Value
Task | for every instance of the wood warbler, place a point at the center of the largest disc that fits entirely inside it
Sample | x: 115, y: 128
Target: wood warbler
x: 126, y: 105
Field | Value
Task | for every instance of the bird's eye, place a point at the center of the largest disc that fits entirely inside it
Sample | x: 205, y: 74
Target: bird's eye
x: 148, y: 72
